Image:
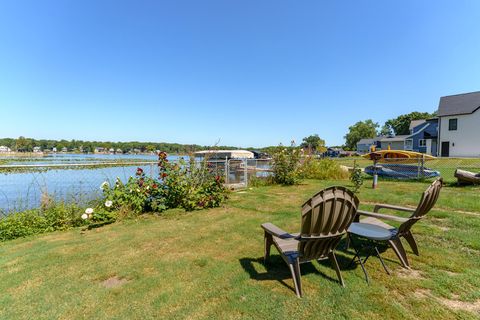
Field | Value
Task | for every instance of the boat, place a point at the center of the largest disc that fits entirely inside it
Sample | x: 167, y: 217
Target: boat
x: 401, y: 171
x: 397, y: 156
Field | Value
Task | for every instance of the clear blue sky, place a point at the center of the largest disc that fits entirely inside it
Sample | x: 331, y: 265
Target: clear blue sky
x: 247, y: 73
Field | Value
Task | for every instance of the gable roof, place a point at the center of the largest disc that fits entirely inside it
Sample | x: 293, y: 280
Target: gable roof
x: 464, y: 103
x: 415, y: 123
x: 366, y: 141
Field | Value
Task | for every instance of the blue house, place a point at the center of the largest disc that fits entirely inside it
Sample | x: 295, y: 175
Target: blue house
x: 423, y: 136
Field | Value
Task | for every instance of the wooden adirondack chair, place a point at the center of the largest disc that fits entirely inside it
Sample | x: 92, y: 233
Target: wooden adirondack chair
x: 428, y: 200
x: 325, y: 219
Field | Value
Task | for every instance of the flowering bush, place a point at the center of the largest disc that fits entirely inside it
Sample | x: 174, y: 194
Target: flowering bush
x: 286, y: 165
x: 190, y: 185
x: 140, y: 194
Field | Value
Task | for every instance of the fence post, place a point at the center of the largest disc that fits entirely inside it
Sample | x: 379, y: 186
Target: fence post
x: 246, y: 172
x: 227, y: 170
x: 375, y: 175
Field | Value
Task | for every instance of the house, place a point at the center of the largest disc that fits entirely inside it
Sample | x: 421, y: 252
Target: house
x: 399, y: 142
x: 37, y: 149
x: 332, y: 152
x: 365, y: 145
x: 423, y: 136
x: 4, y: 149
x: 459, y: 125
x: 64, y: 149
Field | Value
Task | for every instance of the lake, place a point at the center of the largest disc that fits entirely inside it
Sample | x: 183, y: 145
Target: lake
x: 23, y: 190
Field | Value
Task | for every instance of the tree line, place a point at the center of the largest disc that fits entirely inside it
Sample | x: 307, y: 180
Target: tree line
x: 23, y: 144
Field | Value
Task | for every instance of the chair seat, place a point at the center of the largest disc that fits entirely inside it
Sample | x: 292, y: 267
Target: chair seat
x: 380, y: 223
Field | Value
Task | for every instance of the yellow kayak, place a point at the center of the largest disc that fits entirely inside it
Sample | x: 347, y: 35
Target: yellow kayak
x: 397, y: 156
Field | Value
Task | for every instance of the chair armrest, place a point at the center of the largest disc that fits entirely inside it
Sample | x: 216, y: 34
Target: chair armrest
x: 389, y: 206
x: 276, y: 231
x: 381, y: 216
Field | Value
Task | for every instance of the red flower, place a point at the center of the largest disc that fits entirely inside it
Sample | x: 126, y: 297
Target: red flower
x: 164, y: 175
x: 139, y: 171
x: 154, y: 186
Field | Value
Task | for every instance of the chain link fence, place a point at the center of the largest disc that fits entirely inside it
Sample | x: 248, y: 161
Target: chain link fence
x: 416, y: 168
x: 25, y: 186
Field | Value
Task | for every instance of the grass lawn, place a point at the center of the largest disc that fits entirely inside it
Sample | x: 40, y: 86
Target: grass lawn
x: 207, y: 265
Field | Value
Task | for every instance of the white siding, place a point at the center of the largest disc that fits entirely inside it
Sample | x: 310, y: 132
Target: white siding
x: 465, y: 141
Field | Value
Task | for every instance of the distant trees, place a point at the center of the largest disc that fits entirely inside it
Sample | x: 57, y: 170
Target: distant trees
x: 314, y: 143
x: 401, y: 124
x: 360, y: 130
x: 22, y: 144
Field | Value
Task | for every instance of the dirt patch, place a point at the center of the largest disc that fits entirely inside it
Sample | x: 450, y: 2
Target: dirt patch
x: 451, y: 274
x: 453, y: 303
x: 422, y: 293
x: 409, y: 274
x: 114, y: 282
x: 461, y: 305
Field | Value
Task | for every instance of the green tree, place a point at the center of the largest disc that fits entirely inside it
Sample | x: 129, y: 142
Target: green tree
x: 361, y: 130
x: 401, y: 124
x: 314, y: 143
x: 23, y: 144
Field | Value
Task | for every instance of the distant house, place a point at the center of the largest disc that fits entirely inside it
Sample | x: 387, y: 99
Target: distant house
x: 64, y: 149
x: 459, y: 125
x: 54, y: 149
x: 99, y: 150
x: 37, y: 149
x: 4, y: 149
x: 111, y: 150
x: 119, y: 151
x: 365, y: 145
x: 333, y: 152
x: 399, y: 142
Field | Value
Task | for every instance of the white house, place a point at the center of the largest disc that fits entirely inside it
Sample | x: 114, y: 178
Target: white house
x: 5, y: 149
x: 459, y: 125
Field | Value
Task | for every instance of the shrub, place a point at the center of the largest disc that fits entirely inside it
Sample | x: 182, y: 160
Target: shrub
x: 322, y: 169
x: 286, y: 165
x: 55, y: 216
x: 139, y: 194
x: 190, y: 185
x: 356, y: 177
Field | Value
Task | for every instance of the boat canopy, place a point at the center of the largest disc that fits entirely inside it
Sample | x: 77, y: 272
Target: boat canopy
x: 222, y: 154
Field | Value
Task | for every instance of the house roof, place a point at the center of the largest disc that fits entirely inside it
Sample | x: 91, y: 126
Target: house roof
x: 415, y: 123
x: 366, y: 141
x: 464, y: 103
x: 396, y: 138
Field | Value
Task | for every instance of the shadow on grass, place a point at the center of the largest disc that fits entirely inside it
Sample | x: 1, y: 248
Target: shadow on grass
x: 276, y: 269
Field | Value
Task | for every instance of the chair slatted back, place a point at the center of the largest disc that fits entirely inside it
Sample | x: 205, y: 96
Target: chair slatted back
x: 325, y: 219
x: 428, y: 200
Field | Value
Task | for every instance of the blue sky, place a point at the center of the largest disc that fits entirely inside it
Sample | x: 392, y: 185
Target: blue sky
x: 245, y: 73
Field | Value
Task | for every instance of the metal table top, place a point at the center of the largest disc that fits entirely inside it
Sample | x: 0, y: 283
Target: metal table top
x: 369, y: 231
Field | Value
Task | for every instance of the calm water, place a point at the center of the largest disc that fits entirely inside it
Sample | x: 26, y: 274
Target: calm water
x: 19, y: 191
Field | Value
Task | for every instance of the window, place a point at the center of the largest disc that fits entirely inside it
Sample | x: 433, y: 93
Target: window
x: 408, y: 144
x: 452, y: 124
x: 422, y: 143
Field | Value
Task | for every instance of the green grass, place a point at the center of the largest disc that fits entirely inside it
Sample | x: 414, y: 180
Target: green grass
x: 207, y: 265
